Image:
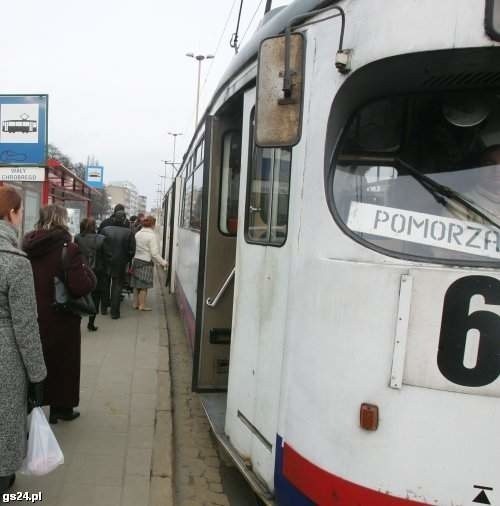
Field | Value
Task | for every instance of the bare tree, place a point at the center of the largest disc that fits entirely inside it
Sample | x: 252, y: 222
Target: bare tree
x: 99, y: 204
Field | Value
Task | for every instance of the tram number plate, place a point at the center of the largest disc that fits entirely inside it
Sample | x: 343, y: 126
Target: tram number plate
x: 460, y: 323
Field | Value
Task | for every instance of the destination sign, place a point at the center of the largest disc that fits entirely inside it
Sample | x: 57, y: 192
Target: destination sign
x: 429, y: 229
x: 20, y: 174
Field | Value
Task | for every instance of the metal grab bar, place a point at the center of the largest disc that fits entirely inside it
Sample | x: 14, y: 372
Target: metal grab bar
x: 213, y: 302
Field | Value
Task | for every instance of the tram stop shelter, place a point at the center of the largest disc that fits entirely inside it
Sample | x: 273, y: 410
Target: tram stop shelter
x: 52, y: 184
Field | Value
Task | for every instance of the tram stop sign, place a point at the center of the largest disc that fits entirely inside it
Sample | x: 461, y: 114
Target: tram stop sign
x: 94, y: 176
x: 23, y: 130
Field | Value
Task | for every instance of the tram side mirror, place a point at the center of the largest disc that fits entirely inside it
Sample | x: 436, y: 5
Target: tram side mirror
x: 280, y: 84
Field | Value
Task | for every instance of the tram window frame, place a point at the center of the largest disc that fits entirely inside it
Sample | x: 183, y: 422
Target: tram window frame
x: 195, y: 224
x: 196, y: 163
x: 182, y: 188
x: 186, y: 213
x: 223, y: 217
x: 192, y: 165
x: 254, y: 151
x: 198, y: 154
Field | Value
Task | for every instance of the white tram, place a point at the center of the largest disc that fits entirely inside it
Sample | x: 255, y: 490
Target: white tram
x: 334, y: 245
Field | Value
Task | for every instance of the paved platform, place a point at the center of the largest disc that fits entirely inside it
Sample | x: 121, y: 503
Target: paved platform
x: 118, y: 453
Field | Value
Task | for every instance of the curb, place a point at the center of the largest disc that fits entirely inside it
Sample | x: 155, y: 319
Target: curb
x: 162, y: 468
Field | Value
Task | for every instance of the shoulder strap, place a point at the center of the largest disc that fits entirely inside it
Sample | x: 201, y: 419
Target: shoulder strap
x: 19, y: 254
x: 64, y: 256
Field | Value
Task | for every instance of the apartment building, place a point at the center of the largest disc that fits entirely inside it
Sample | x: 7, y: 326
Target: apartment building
x: 124, y: 192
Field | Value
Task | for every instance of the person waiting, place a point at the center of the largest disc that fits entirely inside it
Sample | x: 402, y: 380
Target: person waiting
x: 119, y: 249
x: 91, y: 245
x: 147, y: 252
x: 21, y: 349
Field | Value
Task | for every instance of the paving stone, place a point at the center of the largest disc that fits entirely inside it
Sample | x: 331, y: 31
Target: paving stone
x: 164, y: 393
x: 161, y: 493
x: 103, y: 443
x: 75, y: 494
x: 107, y: 496
x: 215, y: 487
x: 136, y: 491
x: 140, y: 436
x: 143, y: 417
x: 163, y: 359
x: 145, y: 381
x: 139, y: 462
x: 142, y: 401
x: 162, y: 448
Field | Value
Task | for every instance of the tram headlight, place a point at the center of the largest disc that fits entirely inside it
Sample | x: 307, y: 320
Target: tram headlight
x: 492, y: 19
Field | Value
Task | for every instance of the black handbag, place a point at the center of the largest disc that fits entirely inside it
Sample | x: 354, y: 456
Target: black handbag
x: 63, y: 301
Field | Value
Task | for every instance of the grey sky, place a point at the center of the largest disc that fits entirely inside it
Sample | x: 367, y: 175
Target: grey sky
x: 116, y: 73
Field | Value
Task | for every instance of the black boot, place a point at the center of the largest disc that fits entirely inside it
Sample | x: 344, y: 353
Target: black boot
x: 91, y: 325
x: 6, y: 482
x: 66, y: 414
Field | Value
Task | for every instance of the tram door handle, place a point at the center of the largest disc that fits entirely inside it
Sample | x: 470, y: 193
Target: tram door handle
x: 255, y: 209
x: 212, y: 302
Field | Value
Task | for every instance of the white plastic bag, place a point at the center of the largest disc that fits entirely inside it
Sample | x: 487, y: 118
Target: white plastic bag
x: 44, y: 453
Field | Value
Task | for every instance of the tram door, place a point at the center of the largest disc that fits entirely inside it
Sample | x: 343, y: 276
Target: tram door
x: 261, y: 288
x: 218, y: 248
x: 172, y: 228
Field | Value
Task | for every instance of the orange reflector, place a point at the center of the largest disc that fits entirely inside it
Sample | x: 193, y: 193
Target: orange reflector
x: 368, y: 416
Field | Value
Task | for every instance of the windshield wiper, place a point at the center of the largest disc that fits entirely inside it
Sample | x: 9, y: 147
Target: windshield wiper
x: 439, y: 191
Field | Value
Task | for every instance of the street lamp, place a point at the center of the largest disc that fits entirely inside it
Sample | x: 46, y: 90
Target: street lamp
x: 163, y: 184
x: 174, y: 135
x: 158, y: 200
x: 200, y: 58
x: 173, y: 171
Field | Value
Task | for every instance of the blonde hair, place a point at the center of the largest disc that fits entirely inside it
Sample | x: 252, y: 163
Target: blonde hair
x: 149, y: 222
x: 52, y: 216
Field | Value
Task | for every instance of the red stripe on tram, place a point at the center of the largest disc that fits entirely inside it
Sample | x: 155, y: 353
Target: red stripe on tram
x: 326, y: 489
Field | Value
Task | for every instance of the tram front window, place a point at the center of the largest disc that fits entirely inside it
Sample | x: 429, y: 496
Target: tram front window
x: 419, y: 176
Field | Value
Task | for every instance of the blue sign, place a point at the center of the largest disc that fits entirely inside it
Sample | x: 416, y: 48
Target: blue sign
x: 94, y: 176
x: 23, y: 129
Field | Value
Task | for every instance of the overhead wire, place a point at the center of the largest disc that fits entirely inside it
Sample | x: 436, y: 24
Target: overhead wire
x: 251, y: 21
x: 234, y: 38
x: 219, y: 42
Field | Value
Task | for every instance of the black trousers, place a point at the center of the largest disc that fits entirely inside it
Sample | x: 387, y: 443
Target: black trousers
x: 96, y: 297
x: 99, y: 294
x: 116, y: 292
x: 105, y: 281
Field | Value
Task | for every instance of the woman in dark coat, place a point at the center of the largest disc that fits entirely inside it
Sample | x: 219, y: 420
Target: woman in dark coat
x: 91, y: 245
x: 21, y: 358
x: 59, y: 330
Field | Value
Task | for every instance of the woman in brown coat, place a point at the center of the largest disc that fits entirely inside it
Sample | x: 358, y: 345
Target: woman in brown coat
x: 59, y: 330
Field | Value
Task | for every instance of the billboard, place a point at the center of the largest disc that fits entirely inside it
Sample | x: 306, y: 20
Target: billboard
x: 73, y: 220
x: 23, y: 129
x: 94, y: 176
